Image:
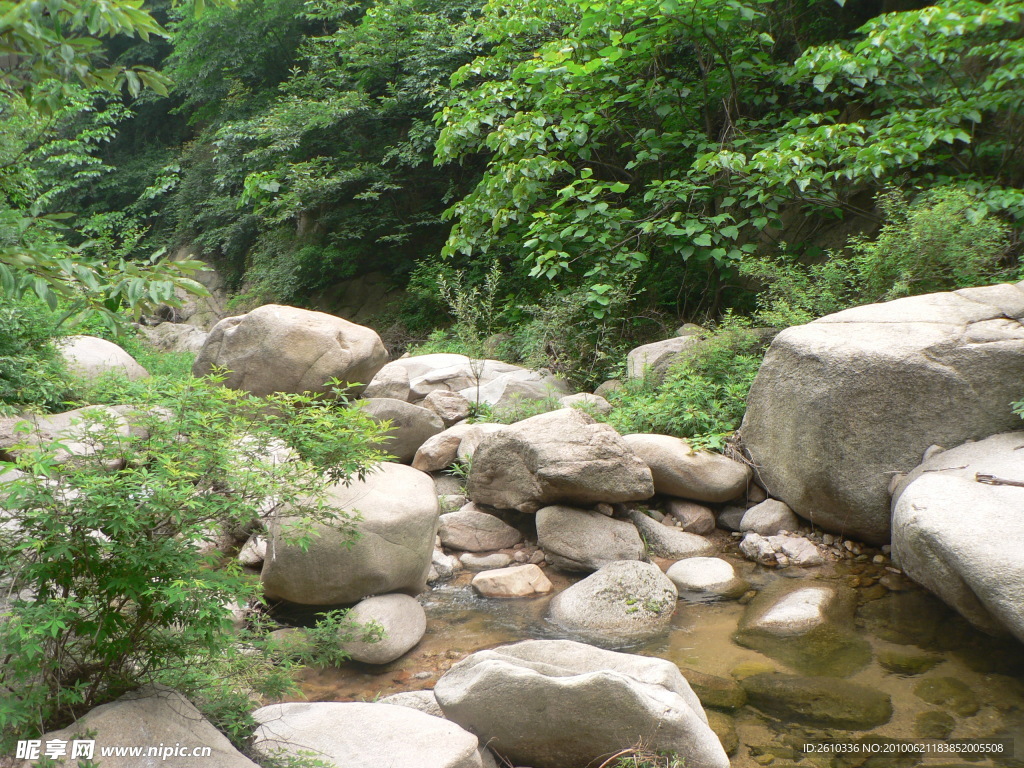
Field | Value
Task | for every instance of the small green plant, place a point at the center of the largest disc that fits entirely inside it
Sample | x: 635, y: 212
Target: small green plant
x: 642, y: 757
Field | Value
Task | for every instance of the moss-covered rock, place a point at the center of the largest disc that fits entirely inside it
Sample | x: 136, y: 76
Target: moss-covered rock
x: 821, y: 701
x: 949, y: 692
x: 714, y: 691
x: 934, y: 725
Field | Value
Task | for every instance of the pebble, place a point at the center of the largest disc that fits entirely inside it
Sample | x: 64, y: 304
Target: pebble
x: 878, y: 559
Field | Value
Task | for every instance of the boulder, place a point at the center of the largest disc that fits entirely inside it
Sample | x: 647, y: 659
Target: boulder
x: 622, y: 603
x: 781, y: 550
x: 411, y: 425
x: 486, y: 381
x: 841, y: 403
x: 588, y: 402
x: 807, y: 627
x: 475, y: 531
x: 692, y: 517
x: 706, y: 577
x: 89, y: 357
x: 451, y: 407
x: 442, y: 449
x: 606, y: 388
x: 402, y: 620
x: 962, y: 539
x: 285, y: 349
x: 654, y: 360
x: 769, y: 518
x: 818, y: 701
x: 174, y: 337
x: 561, y: 457
x: 664, y: 541
x: 714, y: 691
x: 76, y: 430
x: 584, y: 540
x: 154, y: 717
x: 518, y: 581
x: 391, y: 381
x: 392, y: 554
x: 512, y: 390
x: 356, y: 734
x: 679, y: 470
x: 253, y: 552
x: 562, y: 704
x: 472, y: 437
x: 424, y: 701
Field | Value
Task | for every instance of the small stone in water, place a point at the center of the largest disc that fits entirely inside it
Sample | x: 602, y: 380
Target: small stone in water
x: 878, y: 559
x: 828, y: 539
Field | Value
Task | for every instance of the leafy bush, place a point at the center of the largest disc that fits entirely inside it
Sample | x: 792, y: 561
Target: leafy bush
x: 103, y: 556
x: 942, y: 242
x: 703, y: 396
x: 31, y: 372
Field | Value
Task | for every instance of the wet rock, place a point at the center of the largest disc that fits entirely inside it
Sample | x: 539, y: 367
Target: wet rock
x: 411, y: 425
x: 475, y: 562
x: 359, y: 734
x: 903, y: 662
x: 622, y: 602
x: 714, y: 691
x: 285, y: 349
x: 424, y: 701
x: 402, y: 620
x: 89, y: 358
x: 474, y: 531
x: 679, y: 470
x: 561, y: 457
x: 725, y: 730
x: 692, y: 517
x: 934, y: 725
x: 819, y: 701
x: 450, y: 407
x: 949, y: 692
x: 584, y: 540
x: 944, y: 523
x: 669, y: 542
x: 769, y: 518
x: 445, y: 566
x: 561, y: 704
x: 781, y: 550
x: 516, y: 581
x: 934, y: 369
x: 706, y: 576
x: 809, y: 628
x: 906, y: 618
x: 399, y: 512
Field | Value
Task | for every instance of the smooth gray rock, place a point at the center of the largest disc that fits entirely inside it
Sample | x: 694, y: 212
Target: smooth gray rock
x: 588, y: 402
x: 390, y: 381
x: 962, y: 539
x: 668, y: 542
x: 441, y: 450
x: 843, y: 402
x: 451, y: 407
x: 358, y: 735
x: 562, y: 704
x: 692, y: 517
x: 76, y: 431
x: 402, y: 619
x: 769, y: 518
x: 706, y: 576
x: 679, y: 470
x: 472, y: 438
x: 622, y: 603
x: 276, y: 348
x: 400, y: 514
x: 654, y: 360
x: 150, y: 717
x: 516, y: 581
x: 474, y: 562
x: 411, y: 425
x: 584, y: 540
x: 475, y: 531
x: 89, y: 357
x: 174, y: 337
x: 561, y: 457
x: 424, y: 701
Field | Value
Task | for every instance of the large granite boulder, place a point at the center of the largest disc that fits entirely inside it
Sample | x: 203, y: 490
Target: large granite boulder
x: 89, y: 357
x: 654, y: 360
x: 561, y: 457
x: 285, y: 349
x: 355, y: 734
x: 151, y: 717
x: 562, y: 704
x: 680, y: 470
x: 584, y: 540
x: 411, y: 425
x: 963, y: 539
x: 842, y: 403
x: 621, y: 604
x: 399, y: 513
x: 403, y: 623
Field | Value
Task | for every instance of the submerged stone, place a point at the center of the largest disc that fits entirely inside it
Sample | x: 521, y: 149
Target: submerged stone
x: 820, y: 701
x: 949, y: 692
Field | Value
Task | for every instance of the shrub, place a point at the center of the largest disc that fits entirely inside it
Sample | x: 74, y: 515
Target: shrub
x: 103, y: 552
x: 31, y: 372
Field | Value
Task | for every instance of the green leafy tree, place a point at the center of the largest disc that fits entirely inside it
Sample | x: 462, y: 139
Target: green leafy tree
x: 105, y: 583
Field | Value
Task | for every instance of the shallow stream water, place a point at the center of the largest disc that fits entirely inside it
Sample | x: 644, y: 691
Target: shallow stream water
x: 898, y: 620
